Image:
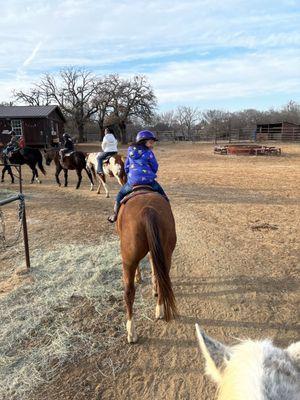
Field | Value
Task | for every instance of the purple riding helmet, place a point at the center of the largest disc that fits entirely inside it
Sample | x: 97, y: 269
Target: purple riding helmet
x: 145, y: 135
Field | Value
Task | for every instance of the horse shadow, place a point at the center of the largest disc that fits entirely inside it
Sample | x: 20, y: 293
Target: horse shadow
x: 269, y: 292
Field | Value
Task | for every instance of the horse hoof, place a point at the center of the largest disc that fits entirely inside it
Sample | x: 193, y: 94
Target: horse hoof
x: 159, y: 312
x: 107, y: 196
x: 132, y: 339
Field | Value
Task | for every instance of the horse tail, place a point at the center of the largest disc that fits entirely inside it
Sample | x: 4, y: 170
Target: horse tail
x: 161, y: 269
x: 40, y: 162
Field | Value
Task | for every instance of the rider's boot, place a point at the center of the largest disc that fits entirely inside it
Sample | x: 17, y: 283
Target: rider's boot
x: 114, y: 216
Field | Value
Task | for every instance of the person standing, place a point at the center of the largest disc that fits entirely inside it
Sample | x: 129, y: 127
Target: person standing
x: 109, y: 147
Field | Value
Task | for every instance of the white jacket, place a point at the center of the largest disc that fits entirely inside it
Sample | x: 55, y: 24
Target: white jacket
x: 109, y: 143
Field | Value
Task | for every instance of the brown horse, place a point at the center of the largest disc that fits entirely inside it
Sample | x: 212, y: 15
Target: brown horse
x: 113, y: 167
x: 76, y: 160
x: 146, y: 224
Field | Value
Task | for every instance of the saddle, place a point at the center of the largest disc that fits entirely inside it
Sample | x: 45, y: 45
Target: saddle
x: 136, y: 190
x: 69, y: 153
x: 106, y: 160
x: 12, y: 152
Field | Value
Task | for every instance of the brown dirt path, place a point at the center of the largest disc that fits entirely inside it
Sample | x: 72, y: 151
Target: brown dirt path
x: 232, y: 278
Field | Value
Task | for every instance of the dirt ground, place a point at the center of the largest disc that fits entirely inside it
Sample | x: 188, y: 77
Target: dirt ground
x: 235, y: 269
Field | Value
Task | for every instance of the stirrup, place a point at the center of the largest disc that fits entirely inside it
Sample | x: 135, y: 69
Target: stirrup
x: 112, y: 218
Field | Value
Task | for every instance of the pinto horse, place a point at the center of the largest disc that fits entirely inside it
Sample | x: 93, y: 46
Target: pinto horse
x: 146, y: 224
x: 113, y: 167
x: 30, y: 157
x: 74, y: 161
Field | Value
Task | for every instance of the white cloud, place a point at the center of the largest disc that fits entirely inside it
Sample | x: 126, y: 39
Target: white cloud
x: 32, y: 55
x: 218, y: 46
x: 239, y: 77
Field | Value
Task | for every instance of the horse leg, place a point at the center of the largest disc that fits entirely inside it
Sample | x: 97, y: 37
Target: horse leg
x: 58, y: 170
x: 99, y: 185
x: 104, y: 185
x: 11, y: 174
x: 138, y: 276
x: 79, y: 178
x: 89, y: 174
x: 37, y: 176
x: 129, y: 293
x: 119, y: 180
x: 3, y: 172
x: 33, y: 174
x: 154, y: 281
x: 66, y: 177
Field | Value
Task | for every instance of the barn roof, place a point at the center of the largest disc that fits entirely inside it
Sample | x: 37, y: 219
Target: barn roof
x: 277, y: 123
x: 29, y: 111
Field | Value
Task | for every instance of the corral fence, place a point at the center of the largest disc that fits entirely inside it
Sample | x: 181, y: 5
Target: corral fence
x: 22, y: 216
x: 261, y: 133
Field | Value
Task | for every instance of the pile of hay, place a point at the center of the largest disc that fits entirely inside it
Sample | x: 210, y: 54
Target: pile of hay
x: 37, y: 332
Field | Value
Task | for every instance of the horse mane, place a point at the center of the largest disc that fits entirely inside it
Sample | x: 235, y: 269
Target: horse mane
x: 246, y: 386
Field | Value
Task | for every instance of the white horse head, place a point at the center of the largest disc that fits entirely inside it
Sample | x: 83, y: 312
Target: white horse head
x: 255, y: 370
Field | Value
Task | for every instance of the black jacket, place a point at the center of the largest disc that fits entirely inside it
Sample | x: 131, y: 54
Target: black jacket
x: 69, y: 145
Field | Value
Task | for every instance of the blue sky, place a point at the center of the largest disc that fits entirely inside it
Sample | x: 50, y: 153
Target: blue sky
x: 230, y: 54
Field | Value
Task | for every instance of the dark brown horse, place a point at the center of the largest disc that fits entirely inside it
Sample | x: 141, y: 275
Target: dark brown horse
x: 146, y: 224
x: 74, y: 161
x: 29, y: 156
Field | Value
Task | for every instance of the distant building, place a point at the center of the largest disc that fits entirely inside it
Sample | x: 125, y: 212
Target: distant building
x: 283, y: 131
x: 41, y: 126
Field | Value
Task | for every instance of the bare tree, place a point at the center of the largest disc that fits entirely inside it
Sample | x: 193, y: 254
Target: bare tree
x: 72, y: 90
x: 187, y: 118
x: 105, y: 94
x: 73, y: 93
x: 7, y: 104
x: 132, y: 98
x: 35, y: 97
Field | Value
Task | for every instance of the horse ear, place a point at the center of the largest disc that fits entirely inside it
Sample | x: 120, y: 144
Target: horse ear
x: 294, y: 352
x: 216, y: 355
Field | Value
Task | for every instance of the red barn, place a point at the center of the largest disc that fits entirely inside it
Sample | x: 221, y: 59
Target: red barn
x: 41, y: 126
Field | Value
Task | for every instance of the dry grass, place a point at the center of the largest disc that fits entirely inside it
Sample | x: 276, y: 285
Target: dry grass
x: 38, y: 333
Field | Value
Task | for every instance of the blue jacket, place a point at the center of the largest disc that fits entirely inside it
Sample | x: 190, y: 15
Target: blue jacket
x: 141, y: 165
